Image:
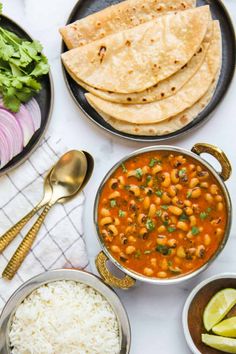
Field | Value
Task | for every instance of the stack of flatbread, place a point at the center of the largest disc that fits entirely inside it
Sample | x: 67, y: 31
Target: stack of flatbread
x: 150, y: 67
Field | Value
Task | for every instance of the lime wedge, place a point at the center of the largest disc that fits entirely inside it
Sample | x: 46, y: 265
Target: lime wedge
x: 226, y: 328
x: 218, y: 307
x: 227, y: 345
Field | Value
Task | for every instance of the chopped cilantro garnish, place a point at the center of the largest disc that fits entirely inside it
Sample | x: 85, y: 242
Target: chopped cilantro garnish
x: 182, y: 172
x: 183, y: 217
x: 203, y: 215
x: 124, y: 169
x: 147, y: 252
x: 171, y: 229
x: 159, y: 213
x: 137, y: 254
x: 208, y: 210
x: 165, y: 223
x: 165, y: 250
x: 150, y: 225
x: 121, y: 213
x: 148, y: 179
x: 195, y: 230
x: 189, y: 194
x: 165, y: 207
x: 139, y: 173
x: 112, y: 203
x: 170, y: 263
x: 159, y: 193
x: 154, y: 161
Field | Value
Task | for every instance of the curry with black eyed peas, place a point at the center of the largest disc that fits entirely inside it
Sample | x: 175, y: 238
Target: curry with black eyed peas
x: 162, y: 214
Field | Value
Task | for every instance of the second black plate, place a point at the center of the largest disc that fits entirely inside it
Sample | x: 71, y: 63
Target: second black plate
x: 86, y: 7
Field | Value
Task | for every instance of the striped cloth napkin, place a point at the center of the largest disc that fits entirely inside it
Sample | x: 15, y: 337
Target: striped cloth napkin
x: 60, y: 242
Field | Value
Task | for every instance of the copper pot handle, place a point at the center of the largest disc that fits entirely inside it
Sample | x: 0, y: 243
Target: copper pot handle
x: 218, y: 154
x: 101, y: 264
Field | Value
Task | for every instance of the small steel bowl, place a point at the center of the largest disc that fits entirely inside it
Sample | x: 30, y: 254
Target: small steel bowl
x: 131, y: 276
x: 194, y: 308
x: 64, y: 274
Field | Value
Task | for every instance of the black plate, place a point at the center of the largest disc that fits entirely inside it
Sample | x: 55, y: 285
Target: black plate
x: 86, y: 7
x: 44, y: 99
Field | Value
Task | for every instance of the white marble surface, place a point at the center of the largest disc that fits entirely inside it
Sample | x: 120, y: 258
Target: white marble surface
x: 154, y: 312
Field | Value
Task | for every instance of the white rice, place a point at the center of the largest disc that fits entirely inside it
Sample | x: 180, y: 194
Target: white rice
x: 65, y: 317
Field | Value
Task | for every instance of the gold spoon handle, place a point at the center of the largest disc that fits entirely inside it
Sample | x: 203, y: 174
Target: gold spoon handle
x: 25, y: 246
x: 11, y: 234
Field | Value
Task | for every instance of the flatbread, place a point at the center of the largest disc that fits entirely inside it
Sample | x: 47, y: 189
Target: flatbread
x: 138, y: 58
x: 117, y: 18
x: 168, y: 126
x: 158, y: 111
x: 165, y: 88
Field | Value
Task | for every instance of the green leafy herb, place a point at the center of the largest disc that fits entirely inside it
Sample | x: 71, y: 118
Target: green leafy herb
x: 171, y: 229
x: 139, y: 173
x: 137, y: 254
x: 182, y: 172
x: 195, y: 230
x: 203, y: 215
x: 165, y: 207
x: 124, y: 169
x: 183, y: 217
x: 159, y: 213
x: 112, y: 203
x: 208, y: 210
x: 148, y: 179
x: 22, y: 65
x: 170, y: 263
x: 165, y: 250
x: 127, y: 187
x: 175, y: 270
x: 165, y: 223
x: 147, y: 252
x: 189, y: 194
x: 121, y: 213
x: 159, y: 193
x: 150, y: 225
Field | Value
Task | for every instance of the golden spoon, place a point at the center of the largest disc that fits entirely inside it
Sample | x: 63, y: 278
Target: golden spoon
x: 11, y: 234
x: 66, y: 180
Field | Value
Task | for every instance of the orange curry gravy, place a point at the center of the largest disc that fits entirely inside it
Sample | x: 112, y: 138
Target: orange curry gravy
x: 162, y: 214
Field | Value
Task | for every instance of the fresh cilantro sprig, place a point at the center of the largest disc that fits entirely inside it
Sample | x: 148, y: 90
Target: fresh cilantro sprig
x: 22, y: 64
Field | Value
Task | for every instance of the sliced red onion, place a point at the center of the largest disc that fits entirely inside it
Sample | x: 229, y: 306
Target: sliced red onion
x: 5, y: 153
x: 14, y: 132
x: 34, y: 109
x: 26, y: 122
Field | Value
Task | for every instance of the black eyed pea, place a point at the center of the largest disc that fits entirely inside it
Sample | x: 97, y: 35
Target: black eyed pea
x: 200, y: 251
x: 161, y: 229
x: 132, y: 239
x: 220, y: 206
x: 161, y: 240
x: 207, y: 240
x: 156, y: 169
x: 193, y: 182
x: 188, y: 203
x: 219, y: 232
x: 114, y: 195
x: 193, y: 220
x: 134, y: 190
x: 175, y: 210
x: 121, y: 180
x: 146, y: 169
x: 105, y: 221
x: 162, y: 275
x: 181, y: 252
x: 153, y: 262
x: 113, y: 230
x: 141, y: 219
x: 143, y: 233
x: 172, y: 191
x: 188, y: 211
x: 116, y: 221
x: 204, y: 185
x: 165, y: 198
x: 152, y: 210
x: 130, y: 250
x: 115, y: 249
x: 164, y: 264
x: 105, y: 212
x: 182, y: 226
x: 148, y: 271
x: 172, y: 243
x: 166, y: 180
x: 208, y: 197
x: 131, y: 173
x: 157, y: 200
x: 146, y: 202
x: 174, y: 176
x: 214, y: 189
x: 196, y: 193
x: 218, y: 198
x: 113, y: 183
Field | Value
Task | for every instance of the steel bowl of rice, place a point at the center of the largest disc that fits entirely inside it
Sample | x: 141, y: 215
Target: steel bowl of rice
x: 64, y: 311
